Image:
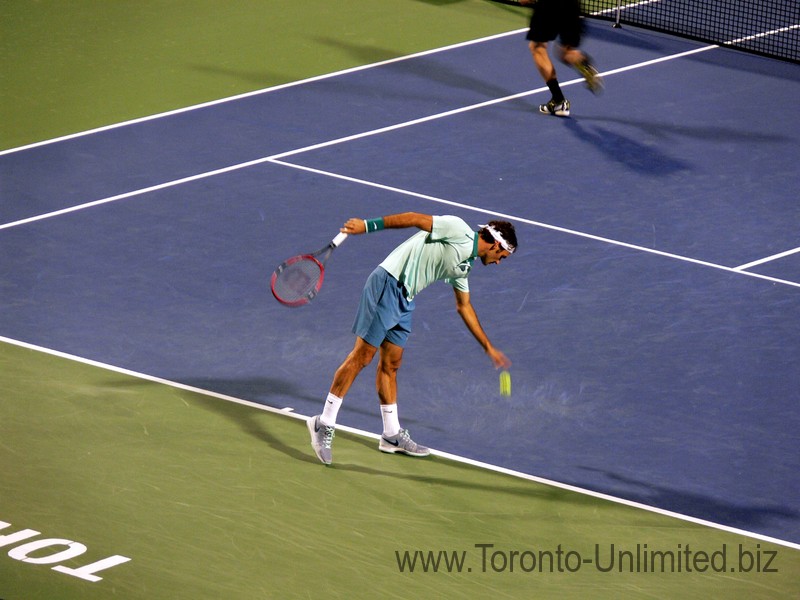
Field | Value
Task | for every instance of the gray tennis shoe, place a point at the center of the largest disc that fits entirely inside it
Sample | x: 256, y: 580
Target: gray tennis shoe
x: 321, y: 439
x: 403, y: 444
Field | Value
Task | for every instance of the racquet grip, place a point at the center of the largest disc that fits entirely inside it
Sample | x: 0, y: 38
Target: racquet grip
x: 338, y: 239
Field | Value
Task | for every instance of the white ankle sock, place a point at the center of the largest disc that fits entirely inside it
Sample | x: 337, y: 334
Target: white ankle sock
x: 332, y: 404
x: 391, y: 421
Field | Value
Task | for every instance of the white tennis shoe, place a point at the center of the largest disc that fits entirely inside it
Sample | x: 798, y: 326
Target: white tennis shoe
x: 402, y: 444
x: 321, y: 439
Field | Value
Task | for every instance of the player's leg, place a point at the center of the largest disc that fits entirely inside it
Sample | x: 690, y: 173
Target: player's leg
x: 394, y: 438
x: 571, y: 33
x: 370, y: 331
x: 582, y: 63
x: 322, y: 427
x: 360, y: 356
x: 541, y: 58
x: 543, y: 29
x: 558, y: 104
x: 390, y: 359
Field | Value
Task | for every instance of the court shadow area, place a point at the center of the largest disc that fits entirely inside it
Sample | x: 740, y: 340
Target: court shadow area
x: 626, y: 150
x: 750, y: 517
x: 256, y: 424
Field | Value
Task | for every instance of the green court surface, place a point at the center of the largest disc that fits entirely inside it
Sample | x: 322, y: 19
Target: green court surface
x: 213, y: 499
x: 70, y: 67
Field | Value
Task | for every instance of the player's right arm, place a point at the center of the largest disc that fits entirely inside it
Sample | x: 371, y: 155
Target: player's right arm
x: 398, y: 221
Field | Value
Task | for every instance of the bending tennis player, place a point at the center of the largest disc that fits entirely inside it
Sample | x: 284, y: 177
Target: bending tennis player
x: 444, y: 249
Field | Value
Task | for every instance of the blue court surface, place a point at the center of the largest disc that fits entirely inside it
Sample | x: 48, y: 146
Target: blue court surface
x: 651, y: 311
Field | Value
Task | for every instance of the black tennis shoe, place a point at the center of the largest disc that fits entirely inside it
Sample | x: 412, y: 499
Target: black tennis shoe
x: 558, y: 109
x: 593, y: 80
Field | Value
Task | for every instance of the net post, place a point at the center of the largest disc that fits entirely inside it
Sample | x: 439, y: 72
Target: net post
x: 617, y: 24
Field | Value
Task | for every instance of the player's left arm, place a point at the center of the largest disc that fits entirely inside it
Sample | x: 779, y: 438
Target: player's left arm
x: 467, y: 313
x: 398, y: 221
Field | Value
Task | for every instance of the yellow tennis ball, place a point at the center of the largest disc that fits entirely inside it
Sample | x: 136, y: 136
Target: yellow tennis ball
x: 505, y: 383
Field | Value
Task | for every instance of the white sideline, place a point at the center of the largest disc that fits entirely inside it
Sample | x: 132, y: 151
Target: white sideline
x: 288, y: 412
x: 275, y: 88
x: 276, y: 158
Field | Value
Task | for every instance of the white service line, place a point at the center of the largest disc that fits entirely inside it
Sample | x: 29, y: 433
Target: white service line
x: 139, y: 192
x: 767, y: 259
x: 479, y: 105
x: 277, y: 159
x: 310, y: 148
x: 286, y: 412
x: 597, y: 238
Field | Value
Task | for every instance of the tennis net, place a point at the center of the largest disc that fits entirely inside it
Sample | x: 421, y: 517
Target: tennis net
x: 767, y: 27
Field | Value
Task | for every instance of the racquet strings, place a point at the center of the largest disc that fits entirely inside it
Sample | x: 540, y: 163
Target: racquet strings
x: 298, y: 280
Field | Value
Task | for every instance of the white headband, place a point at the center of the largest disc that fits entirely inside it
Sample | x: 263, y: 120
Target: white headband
x: 499, y: 238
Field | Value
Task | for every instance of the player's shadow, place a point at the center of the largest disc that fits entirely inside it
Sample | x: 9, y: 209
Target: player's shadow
x: 441, y: 2
x: 250, y: 421
x: 258, y: 391
x: 667, y: 131
x: 626, y: 150
x: 255, y: 423
x: 501, y: 4
x: 427, y: 68
x: 262, y: 79
x: 650, y: 159
x: 745, y: 516
x: 278, y: 394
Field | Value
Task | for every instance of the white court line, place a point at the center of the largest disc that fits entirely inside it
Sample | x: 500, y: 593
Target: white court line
x: 139, y: 192
x: 258, y: 92
x: 479, y: 105
x: 761, y: 35
x: 276, y: 158
x: 767, y: 259
x: 341, y: 140
x: 344, y: 72
x: 453, y: 457
x: 696, y: 261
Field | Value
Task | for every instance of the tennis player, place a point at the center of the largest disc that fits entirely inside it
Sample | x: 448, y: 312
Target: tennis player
x: 444, y: 250
x: 560, y: 19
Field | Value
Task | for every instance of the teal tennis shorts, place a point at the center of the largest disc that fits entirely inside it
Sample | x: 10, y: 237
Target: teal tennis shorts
x: 384, y: 312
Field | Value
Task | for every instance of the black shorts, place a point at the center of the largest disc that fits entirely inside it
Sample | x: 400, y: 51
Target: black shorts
x: 553, y: 19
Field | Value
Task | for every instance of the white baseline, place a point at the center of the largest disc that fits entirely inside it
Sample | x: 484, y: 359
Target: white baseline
x: 287, y: 413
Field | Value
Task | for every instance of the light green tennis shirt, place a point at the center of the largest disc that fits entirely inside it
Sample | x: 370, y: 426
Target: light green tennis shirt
x: 444, y: 254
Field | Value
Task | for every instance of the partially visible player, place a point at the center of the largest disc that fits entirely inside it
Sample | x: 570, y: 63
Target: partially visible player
x: 560, y: 19
x: 444, y: 250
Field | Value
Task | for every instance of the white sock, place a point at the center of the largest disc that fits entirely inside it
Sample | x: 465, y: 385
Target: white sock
x: 332, y: 404
x: 391, y: 420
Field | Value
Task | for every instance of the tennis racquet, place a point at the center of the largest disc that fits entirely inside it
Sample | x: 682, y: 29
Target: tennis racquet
x: 298, y: 280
